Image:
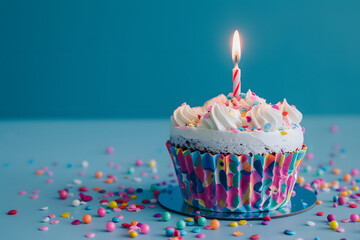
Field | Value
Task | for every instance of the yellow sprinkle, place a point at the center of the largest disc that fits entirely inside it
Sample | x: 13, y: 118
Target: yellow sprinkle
x: 355, y: 188
x: 255, y: 130
x: 233, y: 224
x: 191, y: 125
x: 349, y: 191
x: 124, y: 204
x: 283, y: 133
x: 133, y: 197
x: 189, y: 219
x: 65, y: 215
x: 242, y: 222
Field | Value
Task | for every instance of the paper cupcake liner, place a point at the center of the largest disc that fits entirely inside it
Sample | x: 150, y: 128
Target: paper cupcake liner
x: 236, y: 183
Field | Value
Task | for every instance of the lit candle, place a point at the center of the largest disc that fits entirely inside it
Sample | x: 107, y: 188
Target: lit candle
x: 236, y: 72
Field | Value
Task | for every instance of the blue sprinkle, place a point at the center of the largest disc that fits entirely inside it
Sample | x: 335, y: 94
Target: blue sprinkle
x: 316, y: 238
x: 243, y: 110
x: 88, y: 208
x: 31, y: 161
x: 6, y: 164
x: 268, y: 125
x: 241, y: 128
x: 69, y: 165
x: 357, y: 180
x: 190, y: 223
x: 116, y: 219
x: 183, y: 233
x: 242, y: 95
x: 343, y: 150
x: 304, y: 204
x: 255, y: 103
x: 108, y: 211
x: 139, y: 190
x: 289, y: 232
x: 169, y: 232
x: 229, y: 97
x: 196, y: 230
x: 335, y: 198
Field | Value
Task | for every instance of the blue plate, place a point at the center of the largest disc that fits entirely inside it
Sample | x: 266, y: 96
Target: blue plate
x: 172, y: 200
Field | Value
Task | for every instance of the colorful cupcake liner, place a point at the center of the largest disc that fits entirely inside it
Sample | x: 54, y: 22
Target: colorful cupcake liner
x: 236, y: 183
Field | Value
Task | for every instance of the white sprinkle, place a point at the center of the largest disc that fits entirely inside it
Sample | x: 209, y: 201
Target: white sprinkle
x: 47, y: 219
x: 83, y: 203
x: 154, y: 170
x: 136, y: 179
x: 76, y: 203
x: 70, y: 194
x: 44, y: 208
x: 85, y: 164
x: 69, y: 185
x: 77, y: 181
x: 326, y: 189
x: 299, y: 239
x: 310, y: 223
x: 153, y: 200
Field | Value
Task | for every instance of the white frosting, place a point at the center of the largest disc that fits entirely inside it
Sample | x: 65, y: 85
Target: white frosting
x: 225, y: 125
x: 240, y: 143
x: 294, y: 115
x: 266, y: 118
x: 184, y: 115
x: 221, y: 118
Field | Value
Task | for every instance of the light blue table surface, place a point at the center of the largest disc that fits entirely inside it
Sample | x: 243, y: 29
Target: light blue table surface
x: 64, y: 142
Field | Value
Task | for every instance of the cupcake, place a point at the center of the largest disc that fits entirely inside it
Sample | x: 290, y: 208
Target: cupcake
x: 237, y: 154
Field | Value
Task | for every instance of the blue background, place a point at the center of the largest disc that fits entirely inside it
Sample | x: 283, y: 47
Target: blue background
x: 143, y: 58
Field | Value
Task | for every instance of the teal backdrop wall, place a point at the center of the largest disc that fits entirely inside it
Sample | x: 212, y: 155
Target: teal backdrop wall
x: 86, y: 58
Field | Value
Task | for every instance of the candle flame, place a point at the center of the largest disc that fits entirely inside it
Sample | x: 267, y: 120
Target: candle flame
x: 236, y: 50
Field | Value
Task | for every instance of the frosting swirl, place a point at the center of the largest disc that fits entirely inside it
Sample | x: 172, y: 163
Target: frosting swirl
x: 221, y: 118
x: 290, y: 113
x: 266, y: 118
x: 185, y: 115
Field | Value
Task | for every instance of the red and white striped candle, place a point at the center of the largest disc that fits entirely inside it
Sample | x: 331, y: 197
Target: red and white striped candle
x: 236, y: 72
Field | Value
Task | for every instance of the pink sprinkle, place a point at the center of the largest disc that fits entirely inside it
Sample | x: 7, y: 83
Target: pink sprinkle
x: 276, y: 107
x: 90, y: 235
x: 248, y: 119
x: 144, y: 174
x: 49, y: 181
x: 54, y: 222
x: 310, y: 156
x: 36, y: 191
x: 208, y: 227
x: 184, y: 103
x: 110, y: 150
x: 120, y: 217
x: 340, y: 229
x: 81, y: 174
x: 200, y: 235
x: 117, y: 209
x: 22, y: 193
x: 184, y: 128
x: 34, y: 196
x: 76, y: 222
x: 152, y: 206
x: 121, y: 186
x: 303, y: 129
x: 44, y: 228
x: 110, y: 164
x: 354, y: 217
x: 345, y: 220
x: 52, y: 216
x: 45, y: 168
x: 206, y: 115
x: 253, y: 98
x: 235, y: 130
x: 354, y: 172
x: 155, y: 177
x: 334, y: 128
x: 332, y: 162
x: 50, y: 173
x: 335, y: 205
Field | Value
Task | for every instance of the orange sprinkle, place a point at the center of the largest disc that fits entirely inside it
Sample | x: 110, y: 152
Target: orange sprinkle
x: 237, y: 233
x: 323, y: 185
x: 96, y: 189
x: 134, y: 223
x: 300, y: 179
x: 109, y: 180
x: 335, y: 182
x: 343, y: 194
x: 39, y: 172
x: 98, y: 174
x: 347, y: 177
x: 336, y: 171
x: 319, y: 202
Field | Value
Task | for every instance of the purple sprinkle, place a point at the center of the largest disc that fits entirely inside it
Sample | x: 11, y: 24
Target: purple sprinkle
x: 331, y: 217
x: 265, y: 222
x: 173, y: 181
x: 157, y: 215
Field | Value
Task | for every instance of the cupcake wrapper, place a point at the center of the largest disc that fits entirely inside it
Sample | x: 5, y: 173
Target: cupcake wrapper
x: 236, y: 183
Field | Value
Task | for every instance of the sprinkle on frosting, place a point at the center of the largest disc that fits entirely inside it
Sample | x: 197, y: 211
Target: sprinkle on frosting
x: 247, y: 112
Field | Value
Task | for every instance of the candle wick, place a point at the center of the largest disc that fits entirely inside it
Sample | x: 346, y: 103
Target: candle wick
x: 236, y: 60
